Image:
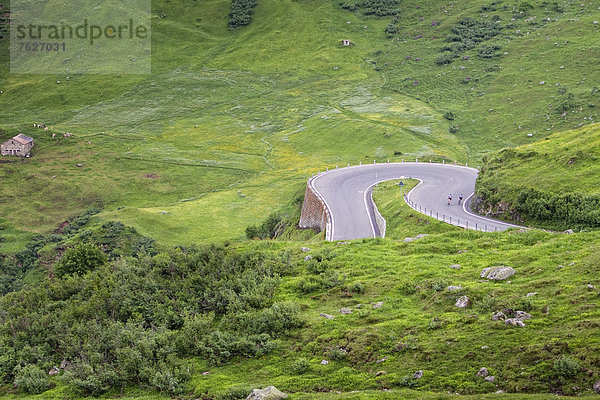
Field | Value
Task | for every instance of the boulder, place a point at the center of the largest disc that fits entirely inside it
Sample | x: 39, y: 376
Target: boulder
x: 462, y: 302
x: 378, y: 304
x: 454, y: 287
x: 268, y: 393
x: 324, y: 362
x: 418, y: 374
x: 455, y: 266
x: 305, y: 249
x: 490, y: 378
x: 308, y: 258
x: 498, y: 316
x: 532, y: 294
x: 483, y: 372
x: 569, y: 232
x: 327, y: 316
x: 54, y: 371
x: 498, y: 273
x: 379, y: 373
x: 345, y: 311
x: 382, y: 360
x: 522, y: 315
x: 515, y: 322
x: 597, y: 387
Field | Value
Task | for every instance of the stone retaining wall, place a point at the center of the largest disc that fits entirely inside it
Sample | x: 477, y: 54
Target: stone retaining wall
x: 314, y: 211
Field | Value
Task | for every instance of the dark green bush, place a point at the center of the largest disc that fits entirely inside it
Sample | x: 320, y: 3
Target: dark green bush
x: 81, y: 259
x: 31, y: 379
x: 566, y: 368
x: 379, y: 8
x: 241, y: 12
x: 391, y: 30
x: 300, y: 366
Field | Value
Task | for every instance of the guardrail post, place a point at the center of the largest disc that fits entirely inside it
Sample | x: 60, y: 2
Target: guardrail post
x: 475, y: 225
x: 348, y: 165
x: 374, y: 161
x: 360, y: 163
x: 336, y: 167
x: 444, y: 217
x: 486, y: 228
x: 416, y: 160
x: 467, y: 224
x: 459, y: 222
x: 450, y: 219
x: 402, y: 160
x: 466, y: 164
x: 437, y: 215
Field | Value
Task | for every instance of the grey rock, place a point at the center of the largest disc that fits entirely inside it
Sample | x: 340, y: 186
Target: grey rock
x: 408, y: 240
x: 64, y: 364
x: 418, y: 374
x: 462, y: 302
x: 345, y: 311
x: 378, y: 304
x: 560, y: 266
x: 522, y: 315
x: 485, y: 347
x: 597, y: 387
x: 328, y: 316
x: 308, y: 258
x: 569, y: 232
x: 54, y: 371
x: 420, y: 235
x: 268, y: 393
x: 324, y: 362
x: 305, y: 249
x: 455, y: 266
x: 498, y: 316
x: 382, y: 360
x: 515, y: 322
x: 483, y: 372
x: 590, y: 286
x: 531, y: 294
x: 379, y: 373
x: 498, y: 273
x: 453, y: 287
x: 490, y: 378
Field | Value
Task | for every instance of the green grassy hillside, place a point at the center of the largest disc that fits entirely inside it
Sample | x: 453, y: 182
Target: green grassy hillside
x: 219, y: 321
x: 232, y: 122
x: 532, y: 181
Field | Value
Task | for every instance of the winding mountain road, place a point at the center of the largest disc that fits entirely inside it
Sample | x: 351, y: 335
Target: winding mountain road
x: 347, y: 195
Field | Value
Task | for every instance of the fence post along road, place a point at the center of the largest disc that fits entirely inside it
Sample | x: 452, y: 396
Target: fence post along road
x: 339, y: 201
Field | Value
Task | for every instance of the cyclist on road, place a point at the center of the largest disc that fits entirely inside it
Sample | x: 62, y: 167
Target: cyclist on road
x: 460, y: 198
x: 449, y: 198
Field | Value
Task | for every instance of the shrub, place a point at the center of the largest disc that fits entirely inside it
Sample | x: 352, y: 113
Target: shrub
x: 444, y: 59
x: 80, y: 259
x: 300, y: 366
x: 391, y: 30
x: 566, y: 368
x: 488, y: 51
x: 449, y: 115
x: 241, y: 12
x: 453, y: 129
x: 379, y: 8
x: 31, y: 379
x: 357, y: 287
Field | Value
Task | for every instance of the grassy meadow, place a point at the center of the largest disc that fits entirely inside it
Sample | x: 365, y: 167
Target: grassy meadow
x: 231, y: 122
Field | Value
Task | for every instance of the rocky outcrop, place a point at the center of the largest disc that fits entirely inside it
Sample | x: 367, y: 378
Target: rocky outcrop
x: 498, y: 273
x: 268, y: 393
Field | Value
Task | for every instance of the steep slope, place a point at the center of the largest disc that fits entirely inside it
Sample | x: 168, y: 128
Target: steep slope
x: 553, y: 182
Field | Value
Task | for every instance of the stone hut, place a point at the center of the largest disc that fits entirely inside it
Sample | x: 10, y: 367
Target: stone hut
x: 20, y: 145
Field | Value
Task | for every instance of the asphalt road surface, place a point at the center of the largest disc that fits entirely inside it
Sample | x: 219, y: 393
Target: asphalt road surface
x: 347, y: 193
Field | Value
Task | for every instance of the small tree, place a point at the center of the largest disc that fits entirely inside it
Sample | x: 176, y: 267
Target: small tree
x: 81, y: 259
